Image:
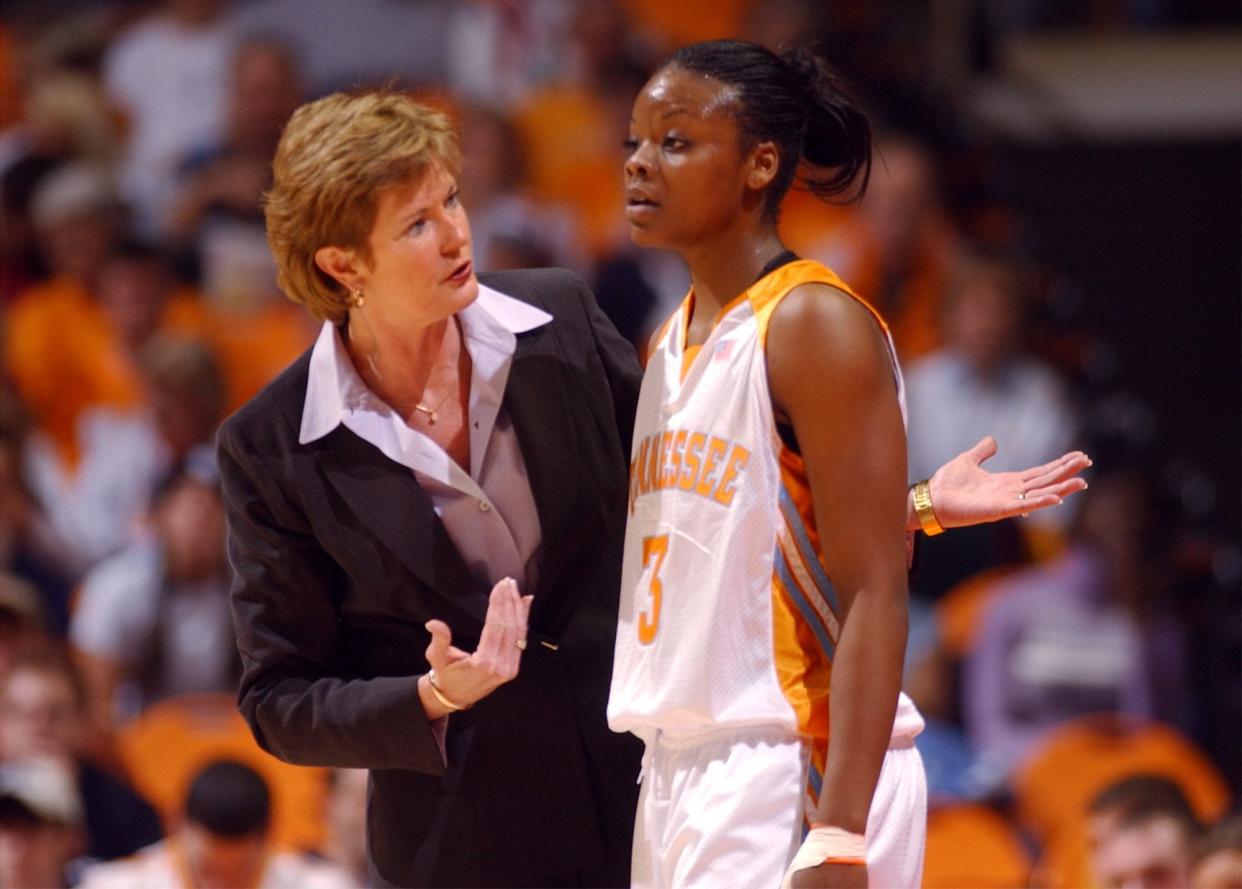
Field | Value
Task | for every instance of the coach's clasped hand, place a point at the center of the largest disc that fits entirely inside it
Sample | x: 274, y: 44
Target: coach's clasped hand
x: 458, y: 679
x: 829, y: 856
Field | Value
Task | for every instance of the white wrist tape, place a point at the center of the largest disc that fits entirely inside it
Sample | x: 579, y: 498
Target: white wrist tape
x: 824, y: 843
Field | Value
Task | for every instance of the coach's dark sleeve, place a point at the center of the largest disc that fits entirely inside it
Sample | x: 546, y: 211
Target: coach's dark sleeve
x: 283, y: 602
x: 625, y: 375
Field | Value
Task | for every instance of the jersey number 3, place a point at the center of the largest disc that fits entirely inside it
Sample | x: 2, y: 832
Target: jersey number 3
x: 649, y: 621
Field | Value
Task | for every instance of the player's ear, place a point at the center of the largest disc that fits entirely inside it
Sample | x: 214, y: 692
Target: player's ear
x: 762, y: 163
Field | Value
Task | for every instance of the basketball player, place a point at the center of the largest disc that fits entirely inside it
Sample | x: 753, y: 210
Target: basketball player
x: 763, y: 589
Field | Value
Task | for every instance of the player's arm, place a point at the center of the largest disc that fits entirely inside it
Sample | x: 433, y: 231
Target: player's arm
x: 830, y: 372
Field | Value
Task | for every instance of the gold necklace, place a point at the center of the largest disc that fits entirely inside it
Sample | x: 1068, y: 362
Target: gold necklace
x: 431, y: 411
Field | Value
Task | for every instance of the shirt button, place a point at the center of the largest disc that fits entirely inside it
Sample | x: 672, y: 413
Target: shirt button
x: 484, y: 506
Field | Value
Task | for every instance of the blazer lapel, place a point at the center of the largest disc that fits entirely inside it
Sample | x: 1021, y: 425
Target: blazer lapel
x: 390, y: 504
x: 539, y: 407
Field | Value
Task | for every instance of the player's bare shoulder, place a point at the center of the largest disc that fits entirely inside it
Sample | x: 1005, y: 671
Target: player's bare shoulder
x: 821, y: 332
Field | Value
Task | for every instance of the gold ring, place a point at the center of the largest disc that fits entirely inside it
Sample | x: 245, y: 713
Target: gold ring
x: 521, y: 644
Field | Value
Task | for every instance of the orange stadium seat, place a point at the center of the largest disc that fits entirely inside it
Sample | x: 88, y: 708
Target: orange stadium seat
x: 972, y: 847
x: 1055, y: 786
x: 170, y: 742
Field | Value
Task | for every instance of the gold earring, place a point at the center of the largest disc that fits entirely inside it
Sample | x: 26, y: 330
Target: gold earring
x: 356, y: 299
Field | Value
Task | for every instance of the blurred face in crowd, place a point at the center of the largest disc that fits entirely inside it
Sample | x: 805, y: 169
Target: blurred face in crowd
x: 182, y: 421
x: 982, y: 320
x: 195, y: 12
x: 265, y: 92
x: 190, y: 521
x: 488, y: 148
x: 420, y: 270
x: 779, y: 23
x: 899, y: 196
x: 215, y: 862
x: 1152, y: 854
x: 19, y: 635
x: 1220, y: 870
x: 1115, y: 521
x: 34, y: 855
x: 40, y: 715
x: 78, y: 245
x: 599, y: 32
x: 131, y: 293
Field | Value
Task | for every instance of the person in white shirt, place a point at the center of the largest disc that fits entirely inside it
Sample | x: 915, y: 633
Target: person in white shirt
x: 983, y: 382
x: 169, y: 75
x: 153, y: 621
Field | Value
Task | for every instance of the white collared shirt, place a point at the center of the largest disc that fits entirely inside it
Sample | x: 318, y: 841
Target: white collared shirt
x: 489, y: 512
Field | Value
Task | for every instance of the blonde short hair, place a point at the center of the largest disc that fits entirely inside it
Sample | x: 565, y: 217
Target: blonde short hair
x: 335, y: 156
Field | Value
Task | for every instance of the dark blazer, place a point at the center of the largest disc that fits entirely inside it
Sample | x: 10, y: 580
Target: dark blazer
x: 339, y: 560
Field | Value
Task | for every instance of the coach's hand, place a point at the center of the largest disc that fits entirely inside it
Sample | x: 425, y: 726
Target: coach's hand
x: 830, y: 876
x: 462, y: 678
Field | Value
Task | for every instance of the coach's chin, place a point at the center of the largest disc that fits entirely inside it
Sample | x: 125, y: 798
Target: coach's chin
x: 426, y: 513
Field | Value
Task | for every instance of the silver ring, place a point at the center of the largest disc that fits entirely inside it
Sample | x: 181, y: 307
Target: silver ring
x: 1021, y: 495
x: 521, y: 644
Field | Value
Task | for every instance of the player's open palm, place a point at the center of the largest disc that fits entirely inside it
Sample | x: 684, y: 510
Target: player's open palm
x: 964, y: 493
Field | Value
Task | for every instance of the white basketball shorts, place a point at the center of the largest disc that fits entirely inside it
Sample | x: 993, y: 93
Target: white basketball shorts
x: 724, y: 809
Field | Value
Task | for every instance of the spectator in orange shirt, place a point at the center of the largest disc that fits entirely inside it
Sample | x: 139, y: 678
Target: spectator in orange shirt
x: 573, y: 128
x: 59, y: 348
x: 74, y: 357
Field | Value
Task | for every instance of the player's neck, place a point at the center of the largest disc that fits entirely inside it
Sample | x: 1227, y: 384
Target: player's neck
x: 727, y: 267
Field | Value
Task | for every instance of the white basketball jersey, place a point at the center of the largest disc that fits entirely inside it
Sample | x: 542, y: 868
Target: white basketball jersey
x: 727, y: 616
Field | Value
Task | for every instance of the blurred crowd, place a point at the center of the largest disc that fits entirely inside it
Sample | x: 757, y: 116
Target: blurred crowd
x: 1080, y: 671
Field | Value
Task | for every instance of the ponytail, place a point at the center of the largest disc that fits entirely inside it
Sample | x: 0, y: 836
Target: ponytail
x: 838, y: 135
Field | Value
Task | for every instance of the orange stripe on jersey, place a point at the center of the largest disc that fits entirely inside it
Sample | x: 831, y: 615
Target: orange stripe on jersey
x: 796, y: 486
x: 806, y: 624
x: 766, y: 294
x: 800, y: 581
x: 802, y: 669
